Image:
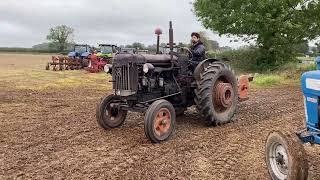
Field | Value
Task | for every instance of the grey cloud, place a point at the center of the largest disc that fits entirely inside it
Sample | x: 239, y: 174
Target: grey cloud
x: 27, y: 22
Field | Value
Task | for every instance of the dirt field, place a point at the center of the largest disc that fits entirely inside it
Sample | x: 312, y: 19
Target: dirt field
x: 48, y: 130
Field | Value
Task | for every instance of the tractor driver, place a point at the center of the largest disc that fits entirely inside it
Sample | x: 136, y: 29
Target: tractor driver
x: 197, y: 48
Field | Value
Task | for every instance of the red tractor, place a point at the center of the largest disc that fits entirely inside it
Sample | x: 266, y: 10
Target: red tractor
x: 97, y: 61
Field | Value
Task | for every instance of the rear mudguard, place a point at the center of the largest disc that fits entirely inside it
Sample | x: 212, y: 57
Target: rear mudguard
x: 200, y: 67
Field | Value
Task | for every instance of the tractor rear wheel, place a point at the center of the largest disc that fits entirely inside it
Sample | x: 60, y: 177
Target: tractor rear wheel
x: 159, y: 121
x: 286, y: 157
x: 216, y: 95
x: 108, y: 114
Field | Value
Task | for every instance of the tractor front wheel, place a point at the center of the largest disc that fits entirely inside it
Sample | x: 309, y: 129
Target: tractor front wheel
x: 159, y: 121
x: 108, y: 113
x: 286, y: 157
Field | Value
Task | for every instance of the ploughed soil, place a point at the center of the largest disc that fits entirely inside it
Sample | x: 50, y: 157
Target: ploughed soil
x: 54, y: 134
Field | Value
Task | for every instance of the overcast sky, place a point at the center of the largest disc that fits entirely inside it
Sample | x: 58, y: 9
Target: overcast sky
x: 24, y: 23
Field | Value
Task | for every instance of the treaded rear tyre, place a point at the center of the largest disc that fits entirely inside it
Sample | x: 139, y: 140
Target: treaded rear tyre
x: 285, y: 157
x: 216, y: 74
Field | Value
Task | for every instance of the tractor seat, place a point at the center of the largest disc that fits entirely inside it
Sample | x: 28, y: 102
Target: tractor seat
x: 158, y: 58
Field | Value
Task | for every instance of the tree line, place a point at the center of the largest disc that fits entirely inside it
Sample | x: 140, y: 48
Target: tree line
x: 60, y: 38
x: 277, y: 26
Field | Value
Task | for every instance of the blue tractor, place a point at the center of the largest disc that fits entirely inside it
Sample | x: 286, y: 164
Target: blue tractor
x: 79, y: 57
x: 285, y: 155
x: 80, y: 50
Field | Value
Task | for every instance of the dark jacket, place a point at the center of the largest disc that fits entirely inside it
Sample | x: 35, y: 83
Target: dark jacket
x: 199, y: 51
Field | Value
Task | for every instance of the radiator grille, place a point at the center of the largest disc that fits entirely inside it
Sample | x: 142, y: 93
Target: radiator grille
x: 125, y: 77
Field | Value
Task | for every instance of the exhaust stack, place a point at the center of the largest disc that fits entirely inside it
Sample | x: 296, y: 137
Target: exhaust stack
x: 171, y: 39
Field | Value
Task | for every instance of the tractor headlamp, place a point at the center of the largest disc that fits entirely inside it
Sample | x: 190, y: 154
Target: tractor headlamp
x: 118, y: 92
x: 147, y: 67
x: 107, y: 68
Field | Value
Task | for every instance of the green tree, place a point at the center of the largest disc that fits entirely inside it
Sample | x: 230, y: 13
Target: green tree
x: 152, y: 47
x: 163, y: 44
x: 181, y: 44
x: 136, y: 45
x: 302, y: 47
x: 205, y: 40
x: 276, y: 25
x: 317, y: 48
x: 208, y: 43
x: 314, y: 50
x: 60, y: 37
x: 214, y: 44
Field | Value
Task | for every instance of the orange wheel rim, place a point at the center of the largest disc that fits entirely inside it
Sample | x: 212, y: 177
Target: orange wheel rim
x: 222, y: 97
x: 162, y: 122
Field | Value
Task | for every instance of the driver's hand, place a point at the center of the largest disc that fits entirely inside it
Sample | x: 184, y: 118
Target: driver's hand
x: 185, y: 48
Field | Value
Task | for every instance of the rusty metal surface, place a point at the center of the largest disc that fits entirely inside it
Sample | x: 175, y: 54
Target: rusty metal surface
x: 243, y: 87
x: 162, y: 122
x: 65, y: 63
x: 223, y: 94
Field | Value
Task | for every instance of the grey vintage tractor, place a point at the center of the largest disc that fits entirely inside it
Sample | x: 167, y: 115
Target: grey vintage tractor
x: 163, y: 86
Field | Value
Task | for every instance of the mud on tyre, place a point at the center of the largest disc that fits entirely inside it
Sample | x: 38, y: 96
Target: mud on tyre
x: 107, y: 113
x: 286, y: 157
x: 216, y: 94
x: 159, y: 121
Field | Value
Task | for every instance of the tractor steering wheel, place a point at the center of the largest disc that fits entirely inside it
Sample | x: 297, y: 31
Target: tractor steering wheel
x: 188, y: 52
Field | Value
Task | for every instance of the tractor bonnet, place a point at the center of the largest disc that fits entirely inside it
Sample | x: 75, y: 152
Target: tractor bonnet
x: 143, y: 58
x: 72, y: 54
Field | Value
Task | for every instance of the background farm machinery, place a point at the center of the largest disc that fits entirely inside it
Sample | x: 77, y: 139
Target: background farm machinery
x: 166, y: 49
x: 97, y: 61
x: 76, y: 59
